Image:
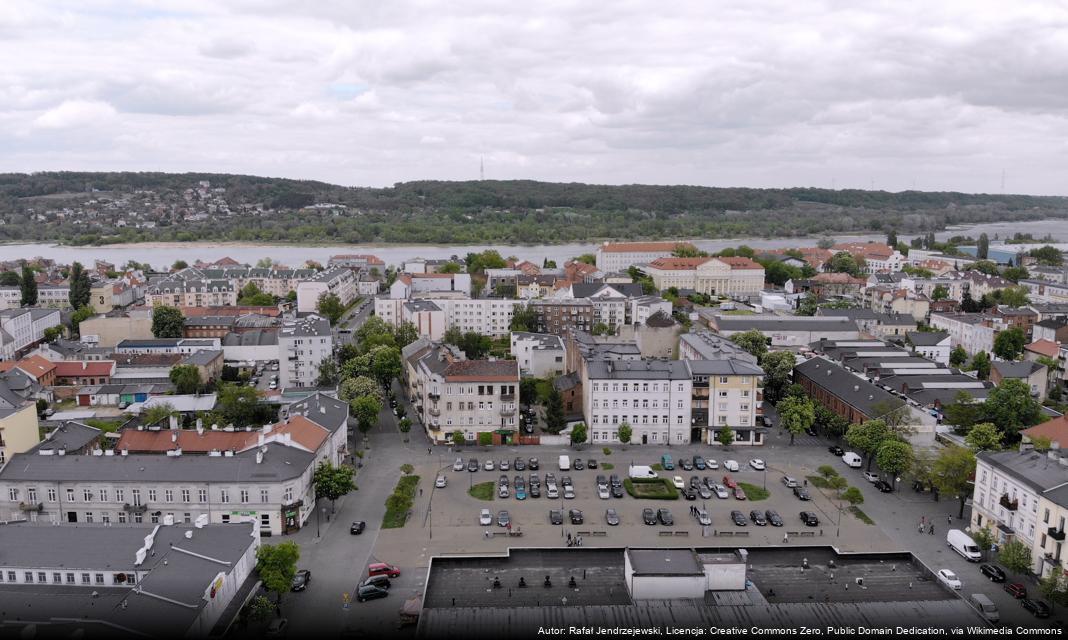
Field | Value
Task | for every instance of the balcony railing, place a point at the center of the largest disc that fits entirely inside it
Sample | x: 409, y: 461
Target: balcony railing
x: 1056, y: 534
x: 434, y: 395
x: 1011, y: 505
x: 434, y: 411
x: 135, y: 508
x: 508, y: 397
x: 31, y: 506
x: 506, y: 411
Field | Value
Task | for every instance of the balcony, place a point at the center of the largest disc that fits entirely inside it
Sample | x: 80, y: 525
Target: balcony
x: 434, y: 395
x: 506, y: 411
x: 1056, y: 534
x: 1011, y: 505
x: 135, y: 508
x: 508, y: 397
x: 434, y: 411
x: 36, y: 506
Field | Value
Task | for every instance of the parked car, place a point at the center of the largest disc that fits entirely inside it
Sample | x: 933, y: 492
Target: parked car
x: 616, y: 491
x: 739, y: 493
x: 729, y: 482
x: 569, y: 492
x: 370, y: 592
x: 810, y: 519
x: 836, y: 450
x: 721, y: 492
x: 884, y: 486
x: 802, y: 493
x: 551, y: 491
x: 950, y: 579
x: 472, y: 465
x: 665, y: 462
x: 535, y: 490
x: 705, y: 492
x: 1016, y: 590
x: 677, y: 481
x: 485, y: 517
x: 695, y: 482
x: 992, y: 571
x: 689, y: 493
x: 441, y: 482
x: 699, y: 463
x: 602, y: 492
x: 488, y: 465
x: 503, y: 519
x: 774, y: 519
x: 758, y: 518
x: 519, y: 465
x: 382, y: 582
x: 611, y: 517
x: 520, y: 490
x: 556, y: 516
x: 648, y: 516
x: 738, y: 518
x: 505, y: 465
x: 602, y: 480
x: 789, y: 481
x: 758, y: 464
x: 357, y: 527
x: 458, y: 465
x: 871, y: 477
x: 383, y: 569
x: 1038, y: 608
x: 685, y: 464
x: 533, y: 464
x: 730, y: 465
x: 575, y: 515
x: 502, y: 491
x: 711, y: 464
x: 578, y: 464
x: 665, y: 518
x: 300, y: 580
x: 702, y: 517
x: 614, y: 480
x: 591, y: 464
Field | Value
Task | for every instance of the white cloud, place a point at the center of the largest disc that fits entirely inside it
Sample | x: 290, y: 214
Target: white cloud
x: 75, y: 113
x: 747, y: 93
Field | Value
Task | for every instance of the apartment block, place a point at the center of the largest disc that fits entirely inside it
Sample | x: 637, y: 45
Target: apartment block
x: 655, y: 397
x: 619, y: 256
x: 338, y: 281
x: 303, y: 345
x: 21, y: 329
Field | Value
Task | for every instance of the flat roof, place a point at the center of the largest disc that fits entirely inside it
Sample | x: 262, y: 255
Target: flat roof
x: 665, y: 562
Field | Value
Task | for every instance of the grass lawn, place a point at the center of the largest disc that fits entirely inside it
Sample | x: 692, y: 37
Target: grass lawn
x: 482, y: 491
x: 753, y: 492
x: 607, y: 466
x: 818, y: 482
x: 651, y: 489
x: 863, y: 517
x: 657, y: 467
x: 400, y: 502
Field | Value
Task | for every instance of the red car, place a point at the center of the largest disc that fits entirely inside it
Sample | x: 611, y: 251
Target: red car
x: 1016, y: 590
x: 382, y: 569
x: 729, y: 482
x: 739, y: 494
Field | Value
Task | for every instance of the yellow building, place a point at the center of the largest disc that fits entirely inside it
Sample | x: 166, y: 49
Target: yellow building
x: 101, y: 297
x: 19, y: 430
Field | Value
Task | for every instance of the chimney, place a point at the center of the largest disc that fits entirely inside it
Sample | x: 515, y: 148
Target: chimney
x: 174, y: 437
x: 259, y: 457
x: 288, y: 439
x: 200, y: 428
x: 125, y: 451
x: 172, y: 421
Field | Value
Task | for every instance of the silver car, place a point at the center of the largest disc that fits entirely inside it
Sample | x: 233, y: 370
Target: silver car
x: 458, y: 465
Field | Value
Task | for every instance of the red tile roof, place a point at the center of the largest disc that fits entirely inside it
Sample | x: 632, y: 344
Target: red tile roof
x: 188, y: 439
x: 628, y: 247
x: 36, y: 366
x: 80, y: 368
x: 1044, y: 348
x: 678, y: 264
x: 1056, y: 430
x: 740, y: 262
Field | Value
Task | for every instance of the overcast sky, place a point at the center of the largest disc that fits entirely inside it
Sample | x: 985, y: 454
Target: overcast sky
x: 761, y: 93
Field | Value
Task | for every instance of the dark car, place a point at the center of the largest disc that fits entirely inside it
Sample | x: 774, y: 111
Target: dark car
x: 370, y: 592
x: 773, y: 518
x: 614, y: 481
x: 738, y: 518
x: 357, y: 527
x: 664, y: 516
x: 1016, y: 590
x: 1038, y: 608
x: 699, y: 463
x: 611, y: 517
x: 591, y: 464
x: 883, y: 485
x: 503, y: 519
x: 802, y: 493
x: 519, y: 465
x: 578, y: 464
x: 382, y: 582
x: 758, y: 518
x: 739, y: 493
x: 533, y: 464
x: 648, y: 516
x: 301, y: 580
x: 689, y: 493
x: 556, y: 516
x: 992, y: 571
x: 575, y: 515
x: 602, y: 480
x: 836, y: 450
x: 685, y: 464
x: 535, y: 490
x: 810, y: 519
x: 695, y: 482
x: 472, y: 465
x: 811, y: 431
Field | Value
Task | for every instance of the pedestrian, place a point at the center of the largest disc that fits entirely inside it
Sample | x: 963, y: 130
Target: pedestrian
x: 920, y: 528
x: 931, y: 529
x: 569, y: 537
x: 923, y: 520
x: 785, y: 538
x: 428, y: 450
x: 420, y: 492
x: 949, y: 519
x: 806, y: 482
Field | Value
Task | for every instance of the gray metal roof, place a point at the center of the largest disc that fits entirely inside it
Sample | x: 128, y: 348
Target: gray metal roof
x: 926, y: 338
x: 252, y: 338
x: 1020, y: 369
x: 323, y: 410
x: 665, y: 562
x: 1032, y: 468
x: 851, y: 389
x: 202, y: 358
x: 638, y: 370
x: 279, y: 463
x: 70, y: 436
x: 712, y: 346
x: 784, y: 323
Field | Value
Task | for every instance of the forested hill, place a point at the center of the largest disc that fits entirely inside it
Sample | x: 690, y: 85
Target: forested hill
x: 82, y: 208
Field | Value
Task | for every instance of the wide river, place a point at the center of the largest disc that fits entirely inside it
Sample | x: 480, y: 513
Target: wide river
x: 165, y: 254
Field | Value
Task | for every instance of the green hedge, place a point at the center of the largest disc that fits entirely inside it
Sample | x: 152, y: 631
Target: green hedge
x: 651, y: 488
x: 400, y: 502
x: 753, y: 492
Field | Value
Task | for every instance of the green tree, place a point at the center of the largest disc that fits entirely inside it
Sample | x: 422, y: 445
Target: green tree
x: 51, y: 334
x: 240, y: 405
x: 868, y: 437
x: 405, y: 425
x: 366, y: 410
x: 963, y: 412
x: 808, y: 305
x: 940, y: 292
x: 796, y: 414
x: 1011, y: 408
x: 982, y: 249
x: 984, y: 437
x: 332, y: 482
x: 554, y: 411
x: 330, y: 307
x: 251, y: 295
x: 600, y: 329
x: 587, y: 258
x: 778, y: 369
x: 179, y: 265
x: 1015, y: 274
x: 260, y: 608
x: 827, y: 471
x: 958, y: 356
x: 485, y: 438
x: 328, y: 373
x: 753, y: 341
x: 1047, y: 255
x: 185, y: 378
x: 838, y: 483
x: 458, y: 438
x: 1009, y: 344
x: 358, y: 387
x: 578, y: 433
x: 79, y: 316
x: 983, y: 538
x: 158, y: 412
x: 276, y: 565
x: 385, y: 364
x: 28, y: 285
x: 528, y: 391
x: 891, y: 238
x: 725, y: 436
x: 406, y: 334
x: 853, y: 496
x: 80, y: 288
x: 1053, y: 588
x: 986, y: 267
x: 830, y: 423
x: 625, y: 433
x: 524, y: 318
x: 981, y: 365
x: 951, y: 473
x: 895, y: 458
x: 10, y: 279
x: 451, y: 267
x: 264, y: 263
x: 1016, y: 556
x: 167, y: 322
x: 845, y: 262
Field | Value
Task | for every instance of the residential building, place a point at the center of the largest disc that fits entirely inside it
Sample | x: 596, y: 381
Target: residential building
x: 787, y: 331
x: 828, y: 285
x: 19, y: 430
x: 883, y: 326
x: 10, y: 297
x: 108, y: 330
x: 727, y: 394
x: 1045, y: 290
x: 338, y: 281
x: 53, y: 296
x: 559, y: 316
x: 933, y: 345
x: 1033, y: 374
x: 433, y: 315
x: 36, y: 367
x: 852, y: 396
x: 22, y: 329
x: 79, y: 373
x: 408, y: 284
x: 1051, y: 330
x: 875, y: 257
x: 452, y: 394
x: 655, y: 397
x: 705, y: 345
x: 972, y: 331
x: 303, y: 345
x: 644, y: 307
x: 1005, y: 317
x: 356, y: 261
x: 539, y: 354
x: 179, y: 292
x: 620, y: 256
x: 179, y: 346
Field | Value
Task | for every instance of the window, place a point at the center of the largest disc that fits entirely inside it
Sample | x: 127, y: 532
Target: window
x: 31, y: 495
x: 154, y: 519
x: 120, y: 495
x: 723, y: 394
x: 70, y: 578
x: 168, y: 495
x: 136, y: 497
x: 187, y: 518
x: 244, y: 496
x: 11, y: 577
x: 151, y: 495
x: 13, y: 494
x: 122, y: 517
x: 57, y: 578
x: 42, y: 576
x: 103, y: 495
x: 87, y: 495
x: 265, y: 520
x: 100, y: 578
x: 185, y: 495
x: 105, y: 517
x: 202, y: 495
x: 70, y: 495
x: 288, y: 495
x: 51, y: 495
x: 138, y: 518
x: 264, y: 496
x: 723, y: 379
x: 86, y: 579
x: 226, y: 518
x: 28, y: 576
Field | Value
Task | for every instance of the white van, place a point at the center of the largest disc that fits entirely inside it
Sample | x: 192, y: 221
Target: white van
x: 565, y: 463
x: 986, y: 607
x: 963, y: 544
x: 852, y: 459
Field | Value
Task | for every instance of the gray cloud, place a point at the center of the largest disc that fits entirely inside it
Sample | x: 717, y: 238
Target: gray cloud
x: 758, y: 93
